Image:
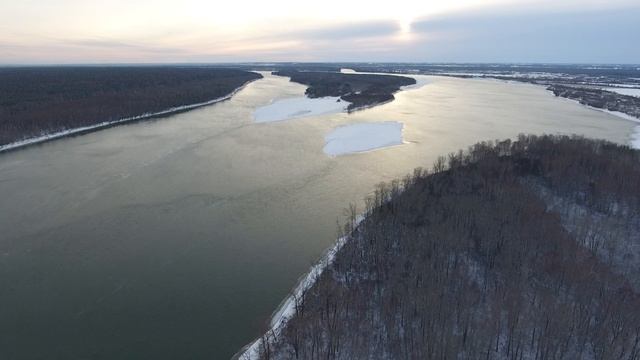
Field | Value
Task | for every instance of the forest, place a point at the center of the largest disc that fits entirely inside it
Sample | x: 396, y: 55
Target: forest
x: 361, y: 90
x: 36, y: 101
x: 524, y: 249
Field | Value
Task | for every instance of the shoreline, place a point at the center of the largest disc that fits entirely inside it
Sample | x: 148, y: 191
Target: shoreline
x: 17, y: 145
x: 634, y: 137
x: 369, y: 106
x: 287, y: 308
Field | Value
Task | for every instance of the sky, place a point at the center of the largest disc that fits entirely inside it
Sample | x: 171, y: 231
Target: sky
x: 201, y: 31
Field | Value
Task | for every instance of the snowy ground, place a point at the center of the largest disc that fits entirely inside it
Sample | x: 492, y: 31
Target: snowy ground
x: 624, y: 91
x: 287, y: 308
x: 361, y: 137
x: 635, y: 138
x: 299, y: 107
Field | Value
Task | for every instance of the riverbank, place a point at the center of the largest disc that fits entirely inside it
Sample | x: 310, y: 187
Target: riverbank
x: 103, y: 125
x: 290, y: 305
x: 41, y: 101
x: 634, y: 138
x: 483, y: 256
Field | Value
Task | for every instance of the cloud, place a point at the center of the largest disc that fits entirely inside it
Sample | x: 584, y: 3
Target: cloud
x: 532, y: 31
x: 113, y: 45
x: 359, y: 30
x: 513, y: 35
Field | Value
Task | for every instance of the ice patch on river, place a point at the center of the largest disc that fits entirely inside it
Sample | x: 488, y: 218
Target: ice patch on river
x: 362, y: 137
x: 299, y: 107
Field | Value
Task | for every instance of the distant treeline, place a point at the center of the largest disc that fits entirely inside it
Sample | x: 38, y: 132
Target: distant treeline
x: 610, y: 71
x: 599, y: 98
x: 361, y: 90
x: 42, y: 100
x: 511, y: 250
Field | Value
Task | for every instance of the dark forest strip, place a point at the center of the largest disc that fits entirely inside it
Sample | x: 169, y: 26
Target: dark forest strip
x: 44, y: 100
x: 361, y: 90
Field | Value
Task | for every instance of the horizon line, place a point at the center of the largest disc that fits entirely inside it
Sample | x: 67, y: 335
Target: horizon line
x: 89, y: 64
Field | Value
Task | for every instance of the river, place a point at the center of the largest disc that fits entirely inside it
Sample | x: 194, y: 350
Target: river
x: 175, y: 238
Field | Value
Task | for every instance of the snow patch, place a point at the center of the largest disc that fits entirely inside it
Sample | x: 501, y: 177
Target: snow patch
x: 299, y: 107
x: 635, y: 138
x: 362, y: 137
x: 625, y: 91
x: 347, y: 71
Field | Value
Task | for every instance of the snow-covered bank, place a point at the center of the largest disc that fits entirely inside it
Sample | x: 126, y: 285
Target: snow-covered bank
x: 287, y: 308
x: 421, y: 80
x: 624, y: 91
x: 634, y: 138
x: 362, y: 137
x: 299, y: 107
x: 68, y: 132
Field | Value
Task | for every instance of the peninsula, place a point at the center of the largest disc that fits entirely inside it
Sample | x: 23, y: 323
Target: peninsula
x: 522, y: 249
x: 360, y: 90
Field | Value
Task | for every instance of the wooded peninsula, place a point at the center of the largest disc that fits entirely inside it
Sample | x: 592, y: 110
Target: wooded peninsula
x: 526, y: 249
x: 361, y: 90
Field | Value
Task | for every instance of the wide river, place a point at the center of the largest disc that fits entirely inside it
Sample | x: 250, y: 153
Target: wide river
x: 176, y: 238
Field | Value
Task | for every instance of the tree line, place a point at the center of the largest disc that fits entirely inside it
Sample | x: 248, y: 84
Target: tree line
x: 42, y: 100
x: 360, y: 90
x: 467, y: 260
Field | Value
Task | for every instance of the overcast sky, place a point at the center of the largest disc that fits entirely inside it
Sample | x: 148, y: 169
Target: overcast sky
x: 149, y: 31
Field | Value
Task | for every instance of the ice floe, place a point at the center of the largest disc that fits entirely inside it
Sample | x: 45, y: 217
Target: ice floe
x: 362, y: 137
x: 299, y: 107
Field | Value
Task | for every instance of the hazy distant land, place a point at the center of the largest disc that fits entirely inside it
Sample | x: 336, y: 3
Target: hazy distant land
x: 613, y: 88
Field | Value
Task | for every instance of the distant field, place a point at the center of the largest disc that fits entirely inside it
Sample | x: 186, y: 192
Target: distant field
x: 39, y: 101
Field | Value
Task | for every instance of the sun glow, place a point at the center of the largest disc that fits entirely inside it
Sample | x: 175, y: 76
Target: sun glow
x: 404, y: 34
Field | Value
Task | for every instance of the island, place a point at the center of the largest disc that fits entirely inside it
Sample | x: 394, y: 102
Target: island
x: 360, y: 90
x: 40, y: 103
x: 524, y: 249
